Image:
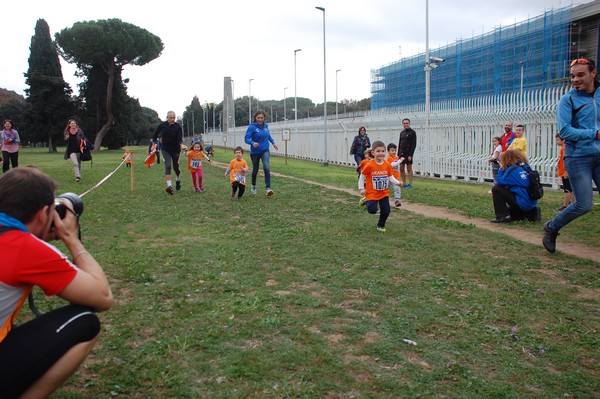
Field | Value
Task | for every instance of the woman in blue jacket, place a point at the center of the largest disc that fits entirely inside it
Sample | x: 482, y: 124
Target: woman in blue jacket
x: 578, y: 116
x: 510, y: 195
x: 259, y: 137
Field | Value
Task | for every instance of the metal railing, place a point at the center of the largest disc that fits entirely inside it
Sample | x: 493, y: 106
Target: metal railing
x: 456, y: 144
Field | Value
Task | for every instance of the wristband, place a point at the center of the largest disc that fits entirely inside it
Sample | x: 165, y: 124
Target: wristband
x: 79, y: 254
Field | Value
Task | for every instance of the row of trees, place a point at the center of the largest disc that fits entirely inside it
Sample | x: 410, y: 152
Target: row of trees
x: 103, y: 109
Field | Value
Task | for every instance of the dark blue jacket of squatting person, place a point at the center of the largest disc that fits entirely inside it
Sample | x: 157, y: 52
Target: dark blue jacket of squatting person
x: 172, y: 137
x: 516, y: 179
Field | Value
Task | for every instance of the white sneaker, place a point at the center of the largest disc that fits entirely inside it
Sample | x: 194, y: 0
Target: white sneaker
x: 253, y: 190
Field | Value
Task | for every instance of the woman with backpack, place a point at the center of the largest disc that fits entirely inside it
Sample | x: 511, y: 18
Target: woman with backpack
x: 73, y: 137
x: 511, y: 197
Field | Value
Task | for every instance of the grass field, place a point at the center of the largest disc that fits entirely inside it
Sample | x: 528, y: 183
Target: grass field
x: 298, y: 296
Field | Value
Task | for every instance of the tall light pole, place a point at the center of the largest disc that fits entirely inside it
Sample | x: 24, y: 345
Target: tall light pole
x: 427, y: 66
x: 336, y: 92
x: 325, y: 162
x: 284, y: 107
x: 250, y: 101
x: 522, y: 67
x: 295, y: 95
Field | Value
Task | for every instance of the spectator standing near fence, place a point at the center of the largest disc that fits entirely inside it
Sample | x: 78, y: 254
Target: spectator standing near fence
x: 407, y: 143
x: 578, y: 123
x: 508, y: 135
x: 360, y: 144
x: 519, y: 141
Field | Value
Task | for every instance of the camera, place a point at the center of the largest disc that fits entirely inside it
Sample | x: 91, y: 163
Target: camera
x: 74, y: 199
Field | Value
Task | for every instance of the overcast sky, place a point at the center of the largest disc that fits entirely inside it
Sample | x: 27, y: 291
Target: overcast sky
x: 208, y: 40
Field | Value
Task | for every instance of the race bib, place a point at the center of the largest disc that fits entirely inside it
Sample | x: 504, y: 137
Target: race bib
x: 195, y: 163
x: 240, y: 179
x: 380, y: 183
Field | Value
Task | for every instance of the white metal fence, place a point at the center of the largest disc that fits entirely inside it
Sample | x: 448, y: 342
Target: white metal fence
x: 456, y: 145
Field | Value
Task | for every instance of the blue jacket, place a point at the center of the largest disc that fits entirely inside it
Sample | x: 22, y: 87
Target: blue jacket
x: 578, y: 117
x: 516, y: 179
x: 258, y: 134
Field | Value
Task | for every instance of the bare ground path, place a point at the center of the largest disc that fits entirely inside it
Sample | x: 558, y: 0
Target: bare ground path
x: 573, y: 249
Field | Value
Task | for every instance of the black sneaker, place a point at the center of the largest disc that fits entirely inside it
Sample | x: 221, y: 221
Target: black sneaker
x: 178, y: 185
x: 502, y: 219
x: 549, y: 239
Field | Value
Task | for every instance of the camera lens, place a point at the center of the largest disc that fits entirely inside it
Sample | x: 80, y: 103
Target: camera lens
x: 75, y: 201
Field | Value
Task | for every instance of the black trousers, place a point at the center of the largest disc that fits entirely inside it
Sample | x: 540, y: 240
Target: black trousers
x: 505, y: 204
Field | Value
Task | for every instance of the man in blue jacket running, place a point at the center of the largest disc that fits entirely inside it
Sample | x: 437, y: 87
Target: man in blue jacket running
x: 578, y: 123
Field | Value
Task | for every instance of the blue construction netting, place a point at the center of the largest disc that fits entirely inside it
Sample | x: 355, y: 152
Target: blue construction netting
x: 535, y: 51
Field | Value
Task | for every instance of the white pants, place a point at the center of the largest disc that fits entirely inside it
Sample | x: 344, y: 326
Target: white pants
x: 76, y: 163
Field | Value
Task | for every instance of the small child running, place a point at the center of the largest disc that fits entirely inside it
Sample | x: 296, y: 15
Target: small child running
x: 374, y: 184
x: 395, y: 162
x: 195, y: 157
x: 238, y: 167
x: 569, y: 197
x: 368, y: 156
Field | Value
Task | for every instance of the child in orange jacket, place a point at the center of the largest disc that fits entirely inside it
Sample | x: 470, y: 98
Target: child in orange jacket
x: 195, y: 157
x: 238, y: 167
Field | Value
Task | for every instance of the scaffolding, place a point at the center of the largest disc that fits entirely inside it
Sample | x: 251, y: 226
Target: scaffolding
x: 528, y: 55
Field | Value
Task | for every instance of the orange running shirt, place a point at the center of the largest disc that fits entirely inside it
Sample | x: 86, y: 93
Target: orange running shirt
x: 236, y: 171
x: 377, y: 179
x: 195, y: 160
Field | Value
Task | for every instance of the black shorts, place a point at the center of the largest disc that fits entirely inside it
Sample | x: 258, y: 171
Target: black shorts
x: 406, y: 161
x: 30, y: 349
x: 566, y: 185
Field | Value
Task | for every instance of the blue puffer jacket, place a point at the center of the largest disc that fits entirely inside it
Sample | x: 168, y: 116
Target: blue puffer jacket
x: 578, y: 117
x: 258, y: 134
x: 516, y: 179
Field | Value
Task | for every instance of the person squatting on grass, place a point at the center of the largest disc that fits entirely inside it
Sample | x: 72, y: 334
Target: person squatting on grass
x: 36, y: 357
x: 259, y: 137
x: 510, y: 195
x: 194, y: 164
x: 236, y: 171
x: 171, y: 146
x: 374, y: 184
x: 578, y: 121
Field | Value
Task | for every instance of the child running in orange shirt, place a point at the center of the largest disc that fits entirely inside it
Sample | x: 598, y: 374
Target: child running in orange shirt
x: 195, y: 157
x: 368, y: 156
x: 238, y: 167
x: 374, y: 184
x: 395, y: 162
x: 569, y: 197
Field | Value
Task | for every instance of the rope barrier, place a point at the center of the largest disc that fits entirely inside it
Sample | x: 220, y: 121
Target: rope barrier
x: 125, y: 160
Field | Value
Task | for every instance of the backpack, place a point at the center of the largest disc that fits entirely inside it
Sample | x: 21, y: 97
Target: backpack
x: 535, y: 188
x: 86, y: 147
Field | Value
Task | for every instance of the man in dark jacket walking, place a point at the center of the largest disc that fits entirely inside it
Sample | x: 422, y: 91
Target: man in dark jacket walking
x: 406, y: 149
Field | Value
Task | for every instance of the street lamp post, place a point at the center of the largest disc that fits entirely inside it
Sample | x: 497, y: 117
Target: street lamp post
x: 295, y: 95
x: 325, y: 162
x: 336, y: 92
x: 250, y: 101
x: 522, y: 68
x: 284, y: 107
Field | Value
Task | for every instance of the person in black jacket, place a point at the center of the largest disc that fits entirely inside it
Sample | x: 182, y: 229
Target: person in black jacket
x: 172, y: 145
x: 406, y: 149
x: 360, y: 144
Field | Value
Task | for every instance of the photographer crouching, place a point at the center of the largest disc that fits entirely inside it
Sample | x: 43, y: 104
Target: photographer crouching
x: 39, y: 355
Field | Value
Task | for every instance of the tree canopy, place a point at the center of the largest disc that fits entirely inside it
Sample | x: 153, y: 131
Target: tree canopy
x: 109, y: 45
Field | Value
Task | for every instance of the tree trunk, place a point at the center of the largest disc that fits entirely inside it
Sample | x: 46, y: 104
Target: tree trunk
x: 109, y: 114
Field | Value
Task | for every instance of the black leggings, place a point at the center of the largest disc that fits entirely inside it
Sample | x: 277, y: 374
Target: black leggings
x: 8, y: 159
x: 29, y: 350
x: 240, y: 188
x: 171, y: 157
x: 384, y: 206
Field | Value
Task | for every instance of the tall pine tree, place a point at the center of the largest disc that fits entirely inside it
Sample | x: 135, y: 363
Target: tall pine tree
x: 48, y: 93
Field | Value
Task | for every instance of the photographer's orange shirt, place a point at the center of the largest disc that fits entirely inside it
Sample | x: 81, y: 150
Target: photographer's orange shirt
x: 377, y: 179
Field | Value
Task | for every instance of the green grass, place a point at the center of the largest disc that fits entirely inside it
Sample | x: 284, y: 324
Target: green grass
x: 297, y: 295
